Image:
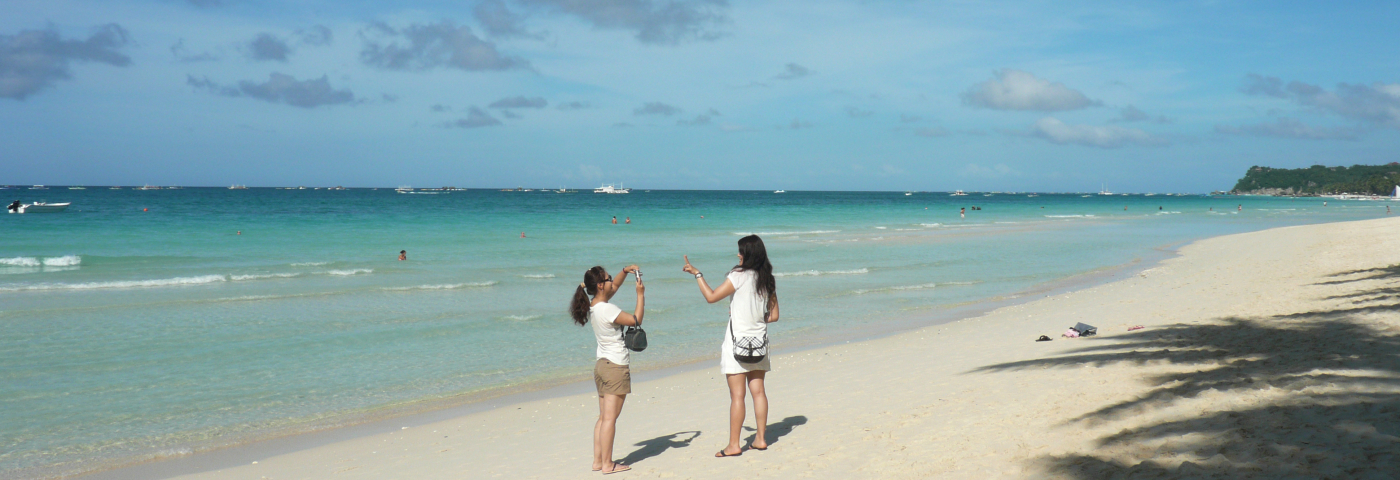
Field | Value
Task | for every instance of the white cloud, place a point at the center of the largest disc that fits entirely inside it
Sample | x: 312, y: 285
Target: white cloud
x: 1055, y: 131
x: 1375, y: 103
x: 1018, y: 90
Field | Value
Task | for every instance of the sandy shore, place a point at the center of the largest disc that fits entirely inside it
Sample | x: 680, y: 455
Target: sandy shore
x: 1269, y: 354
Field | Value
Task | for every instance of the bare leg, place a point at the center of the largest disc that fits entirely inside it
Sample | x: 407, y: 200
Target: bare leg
x: 760, y: 408
x: 609, y: 407
x: 736, y: 412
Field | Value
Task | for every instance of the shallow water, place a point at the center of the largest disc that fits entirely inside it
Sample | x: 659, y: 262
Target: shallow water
x: 140, y: 323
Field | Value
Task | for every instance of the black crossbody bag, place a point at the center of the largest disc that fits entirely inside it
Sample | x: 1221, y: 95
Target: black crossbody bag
x: 749, y: 349
x: 634, y: 338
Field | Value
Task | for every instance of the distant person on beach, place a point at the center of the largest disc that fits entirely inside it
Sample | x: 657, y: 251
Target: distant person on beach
x: 753, y: 304
x: 962, y: 212
x: 403, y: 255
x: 614, y: 219
x: 611, y: 373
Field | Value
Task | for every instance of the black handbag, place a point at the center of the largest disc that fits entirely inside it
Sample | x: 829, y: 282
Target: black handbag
x: 748, y: 349
x: 634, y: 338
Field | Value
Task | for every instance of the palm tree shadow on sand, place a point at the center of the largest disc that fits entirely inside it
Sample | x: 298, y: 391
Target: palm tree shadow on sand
x: 777, y: 430
x: 1331, y: 379
x: 657, y: 446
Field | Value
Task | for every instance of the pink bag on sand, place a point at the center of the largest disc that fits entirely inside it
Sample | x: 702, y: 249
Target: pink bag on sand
x: 1071, y: 333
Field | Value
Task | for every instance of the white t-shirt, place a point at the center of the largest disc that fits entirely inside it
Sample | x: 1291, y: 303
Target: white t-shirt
x: 746, y: 306
x: 609, y: 334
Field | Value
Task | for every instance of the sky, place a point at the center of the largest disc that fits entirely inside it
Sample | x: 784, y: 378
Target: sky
x: 1179, y: 96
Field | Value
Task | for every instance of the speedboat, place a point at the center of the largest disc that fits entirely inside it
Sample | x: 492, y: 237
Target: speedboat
x: 403, y: 189
x: 38, y: 187
x: 149, y: 187
x: 611, y: 189
x: 958, y: 193
x: 38, y: 207
x: 780, y: 191
x: 238, y: 187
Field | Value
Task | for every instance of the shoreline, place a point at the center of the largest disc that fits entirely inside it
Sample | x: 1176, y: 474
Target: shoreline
x: 430, y: 411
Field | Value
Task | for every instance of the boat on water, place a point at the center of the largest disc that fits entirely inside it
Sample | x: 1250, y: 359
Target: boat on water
x: 908, y: 194
x: 114, y: 188
x: 958, y: 193
x: 38, y: 187
x: 38, y: 207
x: 77, y: 188
x: 404, y: 189
x: 1104, y: 191
x: 149, y: 187
x: 1032, y: 195
x: 780, y: 191
x: 609, y: 188
x: 238, y: 187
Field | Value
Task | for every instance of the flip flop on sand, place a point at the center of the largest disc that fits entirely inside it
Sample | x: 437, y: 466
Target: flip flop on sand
x: 617, y: 468
x: 721, y: 454
x: 1043, y: 338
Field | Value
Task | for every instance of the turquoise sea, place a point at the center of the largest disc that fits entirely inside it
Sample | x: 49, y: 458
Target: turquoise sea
x: 140, y: 324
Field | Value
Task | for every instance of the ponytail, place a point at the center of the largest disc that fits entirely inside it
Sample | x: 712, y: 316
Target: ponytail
x: 579, y: 306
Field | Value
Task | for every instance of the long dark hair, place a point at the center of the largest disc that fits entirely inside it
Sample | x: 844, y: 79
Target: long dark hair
x: 578, y: 308
x: 756, y: 260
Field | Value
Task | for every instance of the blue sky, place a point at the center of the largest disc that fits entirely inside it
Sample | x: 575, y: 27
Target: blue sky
x: 706, y: 94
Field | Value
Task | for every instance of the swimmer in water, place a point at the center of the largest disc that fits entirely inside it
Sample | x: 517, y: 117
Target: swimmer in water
x: 629, y: 221
x: 403, y: 255
x: 614, y: 219
x: 240, y: 232
x: 962, y: 212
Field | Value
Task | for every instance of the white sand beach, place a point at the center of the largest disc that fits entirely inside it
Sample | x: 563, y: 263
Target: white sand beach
x: 1269, y: 354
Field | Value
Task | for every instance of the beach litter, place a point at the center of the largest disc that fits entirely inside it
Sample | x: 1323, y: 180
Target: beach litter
x: 1081, y: 330
x: 1135, y: 327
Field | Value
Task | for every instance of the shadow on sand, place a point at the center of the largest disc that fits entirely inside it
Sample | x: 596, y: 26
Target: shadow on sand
x: 658, y: 445
x: 777, y: 430
x: 1329, y: 380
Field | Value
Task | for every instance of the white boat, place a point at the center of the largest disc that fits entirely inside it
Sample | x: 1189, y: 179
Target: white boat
x: 38, y: 187
x: 77, y: 188
x: 611, y: 189
x: 780, y: 191
x: 149, y: 187
x: 238, y: 187
x: 1104, y: 191
x: 908, y: 194
x: 958, y: 193
x: 38, y: 207
x: 1032, y: 195
x: 114, y: 188
x: 403, y: 189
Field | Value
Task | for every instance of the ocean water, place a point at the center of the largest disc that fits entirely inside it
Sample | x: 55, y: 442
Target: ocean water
x: 141, y: 324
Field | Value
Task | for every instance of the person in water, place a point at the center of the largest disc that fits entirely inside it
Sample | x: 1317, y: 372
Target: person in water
x: 614, y: 219
x: 611, y: 372
x: 403, y: 255
x: 629, y: 221
x: 753, y: 304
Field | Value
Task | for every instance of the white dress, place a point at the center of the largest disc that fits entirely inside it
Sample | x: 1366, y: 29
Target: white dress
x: 746, y: 309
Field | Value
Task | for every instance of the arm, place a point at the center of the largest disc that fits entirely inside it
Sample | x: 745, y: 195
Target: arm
x: 773, y: 310
x: 711, y: 295
x: 622, y: 275
x: 634, y: 319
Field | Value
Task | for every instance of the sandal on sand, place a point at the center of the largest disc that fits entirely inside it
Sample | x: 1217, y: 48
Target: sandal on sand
x: 617, y: 468
x: 1043, y: 338
x: 721, y: 454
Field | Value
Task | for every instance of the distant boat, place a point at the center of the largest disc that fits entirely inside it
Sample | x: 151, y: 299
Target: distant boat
x: 238, y: 187
x: 149, y: 187
x: 38, y: 207
x: 958, y: 193
x: 780, y: 191
x: 403, y: 189
x: 1032, y: 195
x: 609, y: 188
x: 114, y: 188
x: 77, y: 188
x: 1085, y: 196
x: 1104, y: 191
x: 908, y: 194
x: 38, y: 187
x: 1397, y: 191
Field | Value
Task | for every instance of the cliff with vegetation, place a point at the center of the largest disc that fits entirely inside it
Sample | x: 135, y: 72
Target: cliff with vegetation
x: 1320, y: 180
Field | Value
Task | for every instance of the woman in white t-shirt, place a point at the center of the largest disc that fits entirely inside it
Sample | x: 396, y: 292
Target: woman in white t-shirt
x: 753, y: 304
x: 610, y: 372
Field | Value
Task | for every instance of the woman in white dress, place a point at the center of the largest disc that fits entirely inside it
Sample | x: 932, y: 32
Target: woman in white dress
x: 753, y: 304
x: 611, y: 372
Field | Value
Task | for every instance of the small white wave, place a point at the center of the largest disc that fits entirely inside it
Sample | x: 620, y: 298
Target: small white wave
x: 1167, y: 213
x: 64, y: 261
x: 806, y: 232
x: 240, y: 278
x: 539, y: 275
x: 346, y: 273
x: 444, y: 286
x: 895, y: 289
x: 310, y: 264
x: 20, y: 262
x: 522, y: 318
x: 164, y: 282
x: 879, y: 228
x: 816, y: 273
x: 1068, y: 216
x: 930, y: 224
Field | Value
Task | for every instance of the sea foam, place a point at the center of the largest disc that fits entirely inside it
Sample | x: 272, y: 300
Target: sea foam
x: 163, y: 282
x: 817, y: 273
x: 64, y: 261
x: 805, y: 232
x: 352, y: 271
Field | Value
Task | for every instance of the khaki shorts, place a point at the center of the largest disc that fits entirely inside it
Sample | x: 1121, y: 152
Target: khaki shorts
x: 612, y: 379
